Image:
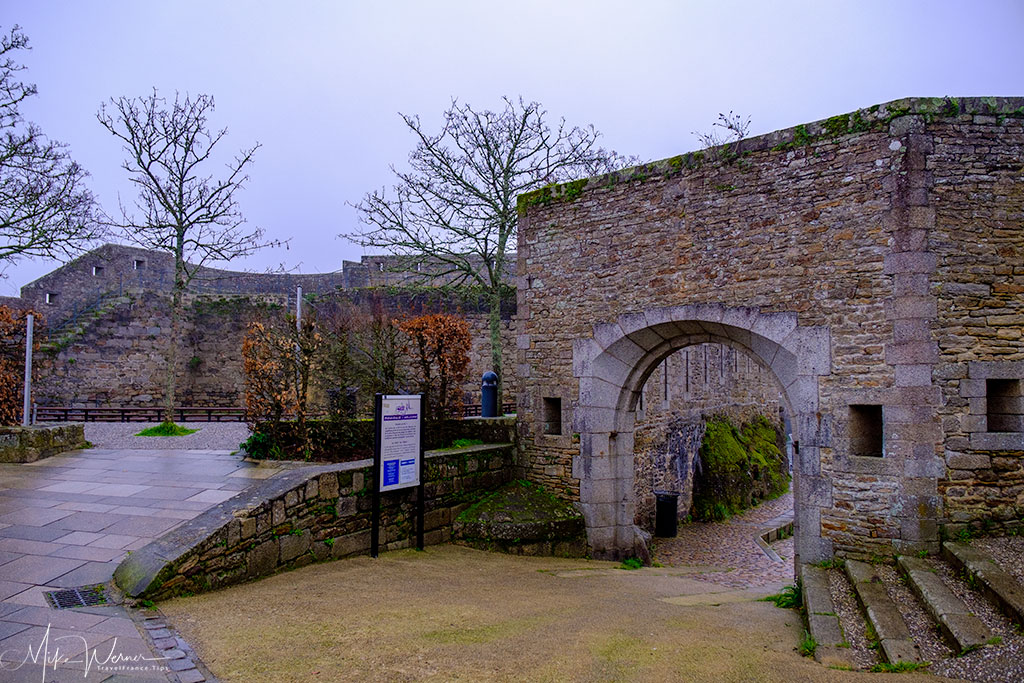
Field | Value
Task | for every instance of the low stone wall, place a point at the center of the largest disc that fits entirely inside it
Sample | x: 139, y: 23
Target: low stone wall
x: 28, y: 444
x: 309, y: 515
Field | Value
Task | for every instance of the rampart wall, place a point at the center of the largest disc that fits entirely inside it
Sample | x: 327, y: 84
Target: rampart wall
x: 872, y: 262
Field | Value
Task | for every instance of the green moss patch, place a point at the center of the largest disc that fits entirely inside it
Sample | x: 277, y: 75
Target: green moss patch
x: 523, y: 518
x: 167, y: 429
x: 739, y: 468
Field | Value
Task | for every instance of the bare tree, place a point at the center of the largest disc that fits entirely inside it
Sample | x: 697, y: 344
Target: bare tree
x: 455, y: 212
x: 45, y: 208
x: 180, y: 209
x: 726, y: 141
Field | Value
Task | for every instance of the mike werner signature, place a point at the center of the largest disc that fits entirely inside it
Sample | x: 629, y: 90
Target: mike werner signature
x: 48, y: 653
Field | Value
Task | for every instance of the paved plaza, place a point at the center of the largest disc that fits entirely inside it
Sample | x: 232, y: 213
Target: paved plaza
x: 67, y: 521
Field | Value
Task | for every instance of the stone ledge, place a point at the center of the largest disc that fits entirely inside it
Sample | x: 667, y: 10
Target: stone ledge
x: 995, y: 583
x: 893, y: 634
x: 997, y: 441
x: 822, y: 621
x: 962, y: 630
x: 307, y: 515
x: 29, y: 444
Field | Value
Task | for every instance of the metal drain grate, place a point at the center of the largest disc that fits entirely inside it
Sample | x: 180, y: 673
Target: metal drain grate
x: 86, y: 596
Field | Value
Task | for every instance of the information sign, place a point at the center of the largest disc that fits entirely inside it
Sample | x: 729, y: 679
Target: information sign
x: 400, y: 420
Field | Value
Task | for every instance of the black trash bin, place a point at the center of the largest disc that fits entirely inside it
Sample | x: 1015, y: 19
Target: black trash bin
x: 666, y: 514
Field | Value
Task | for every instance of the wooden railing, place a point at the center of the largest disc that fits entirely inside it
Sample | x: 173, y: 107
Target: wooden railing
x: 137, y: 414
x: 181, y: 413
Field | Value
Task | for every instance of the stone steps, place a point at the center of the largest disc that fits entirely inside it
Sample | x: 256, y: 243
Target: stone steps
x: 997, y: 585
x: 960, y: 628
x: 894, y: 638
x: 822, y: 621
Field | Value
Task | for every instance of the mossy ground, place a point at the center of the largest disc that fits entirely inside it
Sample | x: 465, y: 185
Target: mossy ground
x: 519, y: 502
x: 455, y: 614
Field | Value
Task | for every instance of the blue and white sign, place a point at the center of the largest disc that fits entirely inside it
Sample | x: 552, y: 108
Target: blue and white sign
x: 399, y: 442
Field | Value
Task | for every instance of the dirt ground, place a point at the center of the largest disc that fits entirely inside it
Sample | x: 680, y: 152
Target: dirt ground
x: 455, y: 614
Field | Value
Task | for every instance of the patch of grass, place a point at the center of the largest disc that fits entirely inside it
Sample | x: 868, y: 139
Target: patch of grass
x: 807, y: 645
x: 898, y: 667
x: 631, y: 563
x: 791, y: 597
x: 465, y: 443
x: 167, y: 429
x: 994, y: 640
x: 834, y: 563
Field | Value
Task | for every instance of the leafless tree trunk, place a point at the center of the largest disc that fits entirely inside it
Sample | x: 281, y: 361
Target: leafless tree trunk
x: 179, y: 210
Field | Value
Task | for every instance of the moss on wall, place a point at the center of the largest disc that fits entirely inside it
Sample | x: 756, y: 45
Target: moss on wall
x: 739, y: 467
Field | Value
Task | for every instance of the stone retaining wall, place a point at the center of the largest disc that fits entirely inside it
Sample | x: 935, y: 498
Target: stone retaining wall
x: 28, y: 444
x: 309, y: 515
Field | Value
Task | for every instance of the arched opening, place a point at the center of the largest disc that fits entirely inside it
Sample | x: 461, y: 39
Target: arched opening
x: 711, y: 439
x: 617, y: 361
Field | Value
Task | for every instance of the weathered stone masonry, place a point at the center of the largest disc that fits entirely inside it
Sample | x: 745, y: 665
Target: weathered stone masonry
x: 309, y: 515
x: 873, y: 262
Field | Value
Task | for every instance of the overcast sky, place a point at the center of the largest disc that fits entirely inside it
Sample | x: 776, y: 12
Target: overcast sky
x: 320, y: 84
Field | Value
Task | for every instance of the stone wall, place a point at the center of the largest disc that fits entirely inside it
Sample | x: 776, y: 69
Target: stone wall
x: 309, y: 515
x: 870, y: 261
x: 973, y: 167
x: 28, y: 444
x: 116, y: 357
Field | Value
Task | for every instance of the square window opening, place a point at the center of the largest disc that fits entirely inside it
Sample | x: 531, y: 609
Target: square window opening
x: 552, y: 415
x: 97, y: 271
x: 865, y: 428
x: 51, y: 297
x: 1004, y: 405
x: 138, y: 264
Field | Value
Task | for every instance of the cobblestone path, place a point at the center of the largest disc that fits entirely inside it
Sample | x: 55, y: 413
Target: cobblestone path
x: 728, y: 550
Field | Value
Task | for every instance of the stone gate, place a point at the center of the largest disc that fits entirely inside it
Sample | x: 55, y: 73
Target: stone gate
x: 873, y: 262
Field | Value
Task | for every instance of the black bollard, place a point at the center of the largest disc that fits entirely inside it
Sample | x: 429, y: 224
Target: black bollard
x: 489, y: 395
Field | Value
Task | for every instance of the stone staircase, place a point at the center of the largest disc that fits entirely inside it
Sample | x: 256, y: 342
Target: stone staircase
x: 895, y: 636
x: 62, y: 333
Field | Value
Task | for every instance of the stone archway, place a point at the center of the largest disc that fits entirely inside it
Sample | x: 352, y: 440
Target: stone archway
x: 612, y: 367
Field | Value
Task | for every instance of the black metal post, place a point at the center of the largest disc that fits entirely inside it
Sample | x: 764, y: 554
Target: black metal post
x: 420, y: 507
x: 375, y: 510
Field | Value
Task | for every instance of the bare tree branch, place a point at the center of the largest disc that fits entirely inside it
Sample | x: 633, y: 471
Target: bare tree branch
x: 45, y: 208
x: 455, y: 210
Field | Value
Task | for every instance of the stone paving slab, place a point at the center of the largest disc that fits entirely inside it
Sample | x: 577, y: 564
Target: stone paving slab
x: 68, y: 521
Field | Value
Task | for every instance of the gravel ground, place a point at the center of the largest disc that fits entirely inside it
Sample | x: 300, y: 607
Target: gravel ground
x: 999, y: 662
x: 852, y: 620
x: 1006, y: 551
x: 214, y: 436
x: 995, y: 663
x: 922, y: 629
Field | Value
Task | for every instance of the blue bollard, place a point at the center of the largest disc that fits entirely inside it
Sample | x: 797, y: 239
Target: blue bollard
x: 489, y: 395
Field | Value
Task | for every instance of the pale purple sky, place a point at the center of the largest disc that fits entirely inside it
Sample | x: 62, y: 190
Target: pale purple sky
x: 320, y: 84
